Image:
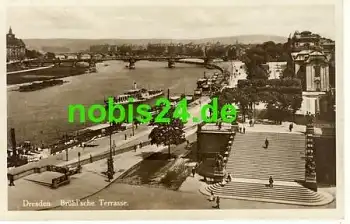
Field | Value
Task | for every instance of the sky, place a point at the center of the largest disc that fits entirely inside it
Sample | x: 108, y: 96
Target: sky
x: 173, y: 22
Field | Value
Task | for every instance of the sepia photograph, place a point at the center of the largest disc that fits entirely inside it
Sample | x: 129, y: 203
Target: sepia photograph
x: 172, y: 107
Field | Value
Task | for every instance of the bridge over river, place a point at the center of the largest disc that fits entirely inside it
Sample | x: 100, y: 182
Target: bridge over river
x: 92, y: 59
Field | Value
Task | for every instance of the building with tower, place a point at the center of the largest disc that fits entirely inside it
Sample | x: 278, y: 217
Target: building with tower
x: 313, y: 63
x: 16, y: 49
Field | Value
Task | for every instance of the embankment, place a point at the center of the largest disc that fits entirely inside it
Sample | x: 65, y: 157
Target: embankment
x: 32, y: 75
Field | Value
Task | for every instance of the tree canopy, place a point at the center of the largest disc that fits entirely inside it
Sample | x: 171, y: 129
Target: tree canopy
x: 258, y: 55
x: 168, y: 134
x: 283, y: 97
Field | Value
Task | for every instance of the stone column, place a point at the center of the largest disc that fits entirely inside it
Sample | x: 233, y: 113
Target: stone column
x: 310, y: 163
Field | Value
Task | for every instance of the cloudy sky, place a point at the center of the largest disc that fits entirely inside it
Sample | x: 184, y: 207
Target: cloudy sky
x: 168, y: 22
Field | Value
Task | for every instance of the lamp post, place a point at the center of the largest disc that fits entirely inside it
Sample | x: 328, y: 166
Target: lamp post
x: 133, y: 128
x: 65, y: 141
x: 79, y: 166
x: 110, y: 168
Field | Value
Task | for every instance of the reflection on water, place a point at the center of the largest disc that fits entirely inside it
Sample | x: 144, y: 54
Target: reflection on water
x: 42, y: 115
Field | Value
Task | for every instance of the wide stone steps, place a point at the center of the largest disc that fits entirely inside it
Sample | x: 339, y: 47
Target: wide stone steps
x: 251, y: 165
x: 283, y: 159
x: 295, y: 194
x: 266, y: 175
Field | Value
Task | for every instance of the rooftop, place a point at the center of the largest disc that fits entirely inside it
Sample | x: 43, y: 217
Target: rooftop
x: 213, y: 128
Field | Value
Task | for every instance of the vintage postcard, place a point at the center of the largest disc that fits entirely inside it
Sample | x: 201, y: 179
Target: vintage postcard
x: 204, y: 111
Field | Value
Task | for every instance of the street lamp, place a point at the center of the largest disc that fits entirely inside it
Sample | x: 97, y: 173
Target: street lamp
x: 79, y: 166
x: 110, y: 168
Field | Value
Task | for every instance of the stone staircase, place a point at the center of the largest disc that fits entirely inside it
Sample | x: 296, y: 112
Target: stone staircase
x: 251, y: 165
x: 285, y: 194
x: 283, y: 159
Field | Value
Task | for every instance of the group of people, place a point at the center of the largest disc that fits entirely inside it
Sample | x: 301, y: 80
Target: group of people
x: 226, y: 180
x: 242, y: 129
x: 214, y: 198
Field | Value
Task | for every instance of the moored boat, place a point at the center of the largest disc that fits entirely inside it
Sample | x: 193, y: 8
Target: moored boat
x: 40, y: 85
x: 198, y: 92
x: 138, y: 95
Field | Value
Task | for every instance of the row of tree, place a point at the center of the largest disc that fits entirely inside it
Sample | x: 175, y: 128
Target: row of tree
x: 283, y: 97
x: 257, y: 56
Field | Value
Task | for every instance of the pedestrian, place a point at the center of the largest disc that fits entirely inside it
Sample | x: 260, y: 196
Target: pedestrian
x: 126, y: 136
x: 193, y: 171
x: 270, y: 181
x: 240, y: 129
x: 250, y: 123
x: 291, y: 127
x: 218, y: 202
x: 90, y: 158
x: 135, y: 147
x: 109, y: 174
x: 266, y: 143
x: 212, y: 197
x: 229, y: 177
x: 243, y: 130
x: 11, y: 179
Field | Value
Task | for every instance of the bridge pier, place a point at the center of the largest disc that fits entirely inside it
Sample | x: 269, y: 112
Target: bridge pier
x: 92, y: 64
x: 57, y: 63
x: 171, y: 63
x: 132, y: 63
x: 207, y: 61
x: 74, y: 64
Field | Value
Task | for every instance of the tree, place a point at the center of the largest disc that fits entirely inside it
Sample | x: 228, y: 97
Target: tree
x: 50, y: 55
x: 253, y: 60
x: 288, y: 72
x: 301, y: 74
x: 285, y: 98
x: 32, y: 54
x: 237, y: 96
x: 168, y: 134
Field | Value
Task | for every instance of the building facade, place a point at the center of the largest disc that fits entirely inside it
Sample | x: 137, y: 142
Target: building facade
x: 314, y: 63
x: 305, y: 40
x: 16, y: 49
x: 312, y: 67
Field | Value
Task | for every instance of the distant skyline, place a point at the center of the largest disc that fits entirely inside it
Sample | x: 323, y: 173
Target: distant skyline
x: 169, y: 22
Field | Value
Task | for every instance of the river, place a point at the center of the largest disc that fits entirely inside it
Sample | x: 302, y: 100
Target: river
x: 42, y: 116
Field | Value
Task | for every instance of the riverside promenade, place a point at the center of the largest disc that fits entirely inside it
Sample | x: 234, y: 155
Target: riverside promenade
x: 101, y: 145
x: 29, y: 188
x: 91, y: 180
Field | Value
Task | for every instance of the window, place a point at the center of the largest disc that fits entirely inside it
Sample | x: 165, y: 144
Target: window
x: 318, y: 85
x: 317, y: 71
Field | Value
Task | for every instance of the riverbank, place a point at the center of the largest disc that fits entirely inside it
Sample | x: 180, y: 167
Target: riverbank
x: 42, y: 74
